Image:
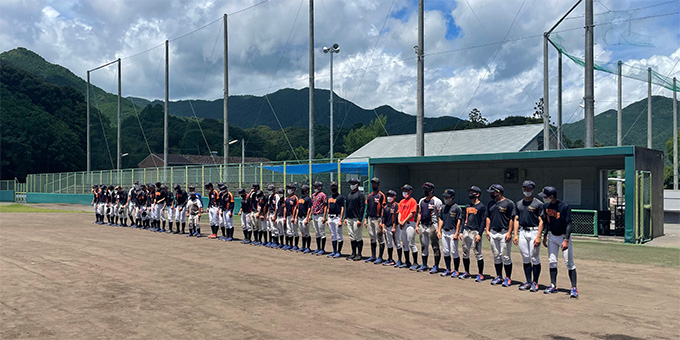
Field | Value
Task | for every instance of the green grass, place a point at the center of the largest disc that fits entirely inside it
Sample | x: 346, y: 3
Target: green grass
x: 20, y: 208
x: 627, y: 253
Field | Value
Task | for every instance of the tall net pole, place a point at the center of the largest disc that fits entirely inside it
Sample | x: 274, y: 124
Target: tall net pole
x: 420, y: 111
x: 225, y: 108
x: 589, y: 86
x: 311, y: 79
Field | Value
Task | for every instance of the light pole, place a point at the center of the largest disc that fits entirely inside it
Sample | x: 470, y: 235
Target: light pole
x: 332, y: 50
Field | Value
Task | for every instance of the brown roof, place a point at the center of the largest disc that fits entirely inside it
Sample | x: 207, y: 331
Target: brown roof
x: 156, y: 160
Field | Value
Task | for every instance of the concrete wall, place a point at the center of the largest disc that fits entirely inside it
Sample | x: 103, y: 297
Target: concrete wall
x: 461, y: 175
x: 652, y: 160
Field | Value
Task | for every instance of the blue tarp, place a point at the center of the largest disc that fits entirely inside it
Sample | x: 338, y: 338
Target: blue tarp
x: 303, y: 169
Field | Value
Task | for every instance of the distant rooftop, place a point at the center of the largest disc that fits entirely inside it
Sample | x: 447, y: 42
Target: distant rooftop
x: 156, y: 160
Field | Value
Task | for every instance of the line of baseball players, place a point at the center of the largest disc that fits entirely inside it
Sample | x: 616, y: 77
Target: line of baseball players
x: 281, y: 219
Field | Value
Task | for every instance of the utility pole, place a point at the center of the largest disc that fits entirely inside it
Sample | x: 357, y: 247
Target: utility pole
x: 87, y: 95
x: 589, y: 86
x: 546, y: 95
x: 311, y: 80
x: 165, y: 117
x: 559, y: 99
x: 225, y: 108
x: 619, y: 128
x: 420, y: 111
x: 675, y: 134
x: 649, y: 107
x: 335, y: 48
x: 118, y: 140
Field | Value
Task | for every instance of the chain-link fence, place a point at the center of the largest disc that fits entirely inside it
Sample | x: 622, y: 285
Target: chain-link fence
x: 584, y: 222
x: 234, y: 176
x: 7, y: 185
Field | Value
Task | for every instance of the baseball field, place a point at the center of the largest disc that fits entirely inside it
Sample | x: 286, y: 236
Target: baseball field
x: 62, y: 277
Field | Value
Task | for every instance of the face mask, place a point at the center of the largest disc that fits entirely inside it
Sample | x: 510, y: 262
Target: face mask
x: 527, y: 193
x: 375, y: 188
x: 290, y: 191
x: 354, y: 186
x: 334, y: 190
x: 492, y: 195
x: 405, y: 194
x: 472, y: 196
x: 547, y: 200
x: 448, y: 200
x: 316, y: 190
x: 390, y: 199
x: 426, y: 192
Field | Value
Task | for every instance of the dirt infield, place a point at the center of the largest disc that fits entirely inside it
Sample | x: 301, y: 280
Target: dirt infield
x: 63, y: 277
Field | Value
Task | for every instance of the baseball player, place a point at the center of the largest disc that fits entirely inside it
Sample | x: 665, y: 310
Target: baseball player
x: 122, y: 206
x: 449, y: 232
x: 473, y: 228
x: 262, y: 206
x: 141, y: 207
x: 500, y: 223
x: 272, y: 203
x: 354, y: 214
x: 388, y: 224
x: 181, y: 199
x: 375, y: 203
x: 245, y: 216
x: 109, y: 204
x: 132, y: 204
x: 408, y: 207
x: 529, y: 222
x: 151, y: 207
x: 289, y: 211
x: 95, y: 200
x: 280, y: 219
x: 254, y: 221
x: 159, y: 207
x: 226, y: 210
x: 213, y: 209
x: 194, y: 210
x: 333, y: 216
x: 559, y: 226
x: 168, y: 209
x: 304, y: 216
x: 427, y: 222
x: 318, y: 211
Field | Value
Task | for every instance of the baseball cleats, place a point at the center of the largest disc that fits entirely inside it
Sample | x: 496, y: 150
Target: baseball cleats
x: 574, y: 293
x: 550, y: 290
x: 463, y: 276
x: 397, y: 264
x: 496, y: 280
x: 370, y: 259
x: 389, y: 262
x: 479, y: 278
x: 197, y: 235
x: 434, y: 270
x: 414, y: 267
x: 320, y: 253
x: 507, y: 282
x: 525, y: 286
x: 445, y: 273
x: 306, y: 251
x: 534, y: 287
x: 404, y: 265
x: 378, y: 261
x: 212, y: 236
x: 357, y: 258
x: 190, y: 234
x: 331, y: 254
x: 455, y: 274
x: 422, y: 268
x: 295, y: 248
x: 337, y: 255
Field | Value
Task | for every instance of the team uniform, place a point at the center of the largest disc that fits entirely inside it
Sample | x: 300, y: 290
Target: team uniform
x: 334, y: 210
x: 408, y: 206
x: 168, y: 210
x: 475, y: 217
x: 391, y: 232
x: 262, y: 206
x: 141, y: 208
x: 500, y: 219
x: 280, y: 221
x: 429, y: 223
x: 304, y: 208
x: 291, y: 222
x: 254, y: 219
x: 132, y: 206
x: 181, y: 199
x: 213, y: 211
x: 529, y: 215
x: 272, y: 204
x: 375, y: 202
x: 318, y: 209
x: 226, y: 205
x: 559, y: 225
x: 356, y: 203
x: 451, y: 219
x: 159, y: 209
x: 246, y: 223
x: 194, y: 206
x: 122, y: 207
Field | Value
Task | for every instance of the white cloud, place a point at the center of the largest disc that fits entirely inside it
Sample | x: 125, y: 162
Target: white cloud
x: 268, y: 48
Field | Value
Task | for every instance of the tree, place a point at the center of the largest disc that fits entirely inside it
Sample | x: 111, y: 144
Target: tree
x: 668, y: 170
x: 360, y: 136
x: 476, y: 118
x: 538, y: 109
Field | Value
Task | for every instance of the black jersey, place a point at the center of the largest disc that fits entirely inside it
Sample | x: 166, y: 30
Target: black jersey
x: 142, y: 198
x: 304, y: 205
x: 169, y: 198
x: 375, y: 201
x: 291, y: 204
x: 558, y: 218
x: 335, y: 204
x: 213, y: 198
x: 500, y: 214
x: 529, y: 212
x: 475, y: 217
x: 450, y: 216
x: 181, y: 197
x: 356, y: 202
x: 122, y: 197
x: 280, y: 203
x: 245, y: 205
x: 389, y: 214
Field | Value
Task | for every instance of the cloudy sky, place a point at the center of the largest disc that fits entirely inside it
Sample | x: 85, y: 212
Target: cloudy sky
x: 484, y: 54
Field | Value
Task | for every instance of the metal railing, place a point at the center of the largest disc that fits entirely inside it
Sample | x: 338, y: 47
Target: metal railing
x: 584, y: 222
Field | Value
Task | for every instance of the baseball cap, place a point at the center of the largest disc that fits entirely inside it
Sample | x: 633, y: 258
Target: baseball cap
x: 495, y: 188
x: 353, y: 181
x: 475, y: 189
x: 529, y: 184
x: 305, y: 187
x: 449, y: 193
x: 208, y: 185
x: 290, y: 186
x: 548, y: 191
x: 428, y: 185
x: 406, y: 187
x: 271, y: 187
x: 241, y: 191
x: 318, y: 184
x: 334, y: 184
x: 391, y: 193
x: 375, y: 180
x: 255, y: 185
